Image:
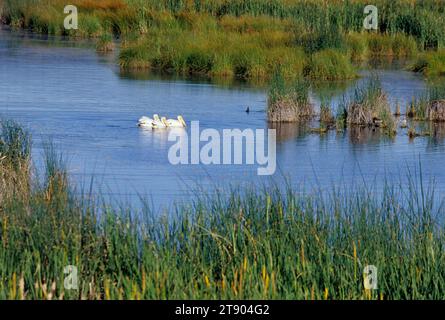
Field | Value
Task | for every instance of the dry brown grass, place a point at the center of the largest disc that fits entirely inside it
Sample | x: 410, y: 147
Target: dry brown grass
x: 359, y: 135
x: 288, y: 109
x: 359, y: 114
x: 326, y: 116
x: 14, y: 182
x: 436, y: 111
x: 375, y: 112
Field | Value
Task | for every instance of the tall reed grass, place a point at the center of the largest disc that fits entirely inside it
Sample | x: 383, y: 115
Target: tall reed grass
x: 246, y: 40
x: 430, y: 105
x: 288, y: 101
x: 431, y: 64
x: 369, y: 106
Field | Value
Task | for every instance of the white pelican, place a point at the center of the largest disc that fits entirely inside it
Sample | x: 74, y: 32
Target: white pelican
x: 180, y: 123
x: 158, y: 123
x: 145, y: 122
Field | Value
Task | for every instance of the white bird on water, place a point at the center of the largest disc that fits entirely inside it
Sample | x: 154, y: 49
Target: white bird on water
x: 180, y: 123
x: 145, y: 122
x: 160, y: 123
x: 156, y: 122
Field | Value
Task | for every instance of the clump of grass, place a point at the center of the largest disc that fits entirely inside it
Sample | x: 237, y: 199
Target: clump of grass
x: 322, y: 39
x: 418, y: 108
x: 431, y: 64
x: 105, y: 43
x: 288, y: 102
x: 436, y: 108
x: 330, y: 65
x: 357, y: 46
x: 369, y: 106
x: 15, y: 144
x: 341, y: 117
x: 396, y: 45
x: 15, y: 148
x: 430, y: 105
x: 212, y: 53
x: 327, y: 118
x: 364, y: 45
x: 136, y: 56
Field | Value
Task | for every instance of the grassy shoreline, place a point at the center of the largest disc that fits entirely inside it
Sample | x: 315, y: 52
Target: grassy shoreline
x: 250, y: 243
x: 312, y: 38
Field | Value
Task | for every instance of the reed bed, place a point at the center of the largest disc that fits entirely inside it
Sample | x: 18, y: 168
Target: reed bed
x: 327, y: 118
x: 330, y: 65
x: 430, y: 105
x: 421, y: 19
x: 288, y: 101
x: 431, y: 64
x: 314, y: 38
x: 271, y: 243
x: 369, y: 106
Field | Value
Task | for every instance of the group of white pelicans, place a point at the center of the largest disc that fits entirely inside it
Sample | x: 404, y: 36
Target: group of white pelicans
x: 161, y: 123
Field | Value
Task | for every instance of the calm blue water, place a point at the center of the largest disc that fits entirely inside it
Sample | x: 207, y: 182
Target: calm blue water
x: 79, y: 100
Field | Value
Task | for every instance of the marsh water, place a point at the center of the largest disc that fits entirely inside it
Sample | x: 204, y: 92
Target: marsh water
x: 64, y: 92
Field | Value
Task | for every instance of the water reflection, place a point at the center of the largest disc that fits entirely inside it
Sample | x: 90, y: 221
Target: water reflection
x: 328, y: 90
x: 437, y: 130
x: 159, y: 137
x: 289, y: 131
x: 222, y: 82
x: 359, y: 135
x: 434, y: 134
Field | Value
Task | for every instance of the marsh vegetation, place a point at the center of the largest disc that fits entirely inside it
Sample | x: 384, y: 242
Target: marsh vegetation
x: 430, y: 106
x: 311, y: 38
x: 289, y: 102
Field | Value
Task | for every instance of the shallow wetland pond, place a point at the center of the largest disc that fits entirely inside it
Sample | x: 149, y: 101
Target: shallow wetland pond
x: 79, y: 100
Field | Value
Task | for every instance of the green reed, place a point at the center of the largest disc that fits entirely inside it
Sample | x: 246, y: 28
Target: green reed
x: 244, y: 39
x: 430, y: 105
x: 431, y: 64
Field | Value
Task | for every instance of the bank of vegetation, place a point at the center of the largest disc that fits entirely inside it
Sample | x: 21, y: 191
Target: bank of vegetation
x: 246, y: 39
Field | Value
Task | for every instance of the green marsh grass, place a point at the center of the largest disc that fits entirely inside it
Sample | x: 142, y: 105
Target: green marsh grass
x: 212, y: 52
x: 422, y: 20
x: 430, y: 105
x: 244, y: 40
x: 431, y: 64
x: 330, y: 65
x: 105, y: 43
